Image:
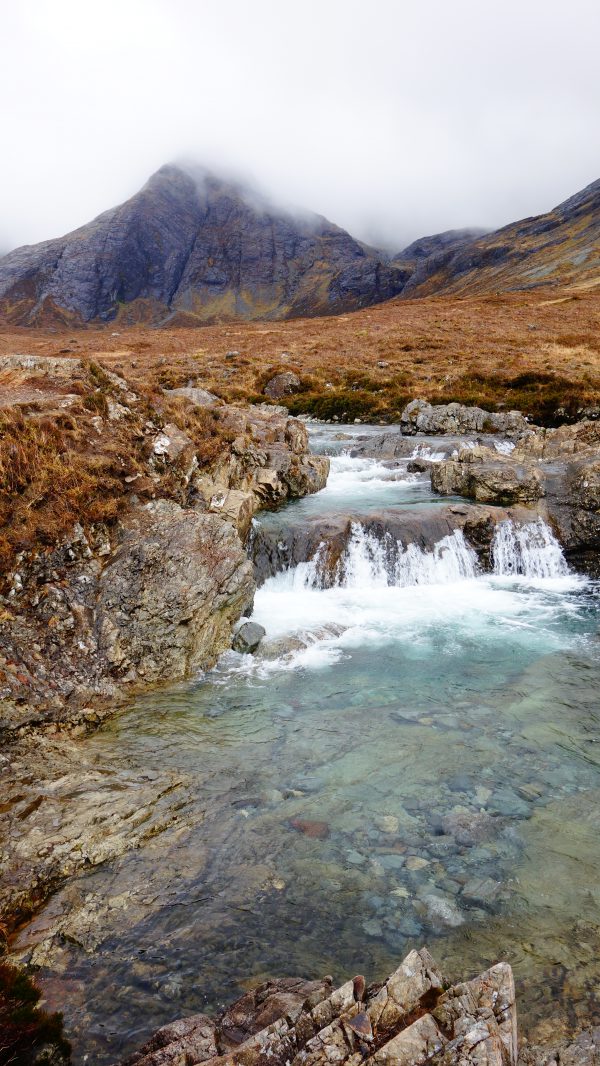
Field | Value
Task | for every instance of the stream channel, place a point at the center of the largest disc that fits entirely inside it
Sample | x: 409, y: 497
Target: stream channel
x: 413, y: 760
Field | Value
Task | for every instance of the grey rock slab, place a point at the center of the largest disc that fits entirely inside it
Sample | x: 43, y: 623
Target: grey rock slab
x: 248, y: 637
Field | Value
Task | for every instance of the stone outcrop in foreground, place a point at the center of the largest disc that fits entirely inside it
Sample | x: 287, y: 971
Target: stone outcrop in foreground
x: 413, y: 1018
x: 154, y: 596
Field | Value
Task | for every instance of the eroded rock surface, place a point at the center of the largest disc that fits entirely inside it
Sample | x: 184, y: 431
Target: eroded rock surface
x: 115, y: 607
x: 410, y: 1019
x: 170, y: 595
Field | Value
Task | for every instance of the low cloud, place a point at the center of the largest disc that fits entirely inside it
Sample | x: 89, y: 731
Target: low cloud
x: 392, y: 121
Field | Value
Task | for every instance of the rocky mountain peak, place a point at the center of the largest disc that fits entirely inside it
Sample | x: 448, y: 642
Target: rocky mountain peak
x: 194, y: 246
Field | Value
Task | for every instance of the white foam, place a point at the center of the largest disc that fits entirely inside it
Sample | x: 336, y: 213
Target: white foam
x: 424, y: 451
x: 369, y: 560
x: 505, y: 447
x: 385, y: 593
x: 529, y: 550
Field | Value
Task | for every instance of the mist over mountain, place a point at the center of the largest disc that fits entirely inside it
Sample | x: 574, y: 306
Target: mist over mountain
x: 192, y: 247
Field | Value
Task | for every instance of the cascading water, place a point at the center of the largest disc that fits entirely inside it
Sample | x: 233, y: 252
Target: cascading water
x: 529, y: 550
x: 397, y: 690
x: 370, y: 561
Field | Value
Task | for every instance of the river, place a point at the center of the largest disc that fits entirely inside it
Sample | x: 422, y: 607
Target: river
x: 414, y: 761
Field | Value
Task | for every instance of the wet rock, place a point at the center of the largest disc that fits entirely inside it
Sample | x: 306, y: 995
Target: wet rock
x: 584, y: 1050
x: 505, y: 801
x: 442, y: 910
x: 415, y: 862
x: 168, y: 598
x: 188, y: 1040
x: 355, y: 858
x: 282, y: 385
x: 483, y: 475
x: 372, y: 927
x: 277, y: 546
x: 248, y: 637
x: 388, y: 823
x: 392, y: 861
x: 481, y: 890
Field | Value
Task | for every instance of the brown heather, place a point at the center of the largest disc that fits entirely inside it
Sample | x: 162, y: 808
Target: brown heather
x: 538, y: 352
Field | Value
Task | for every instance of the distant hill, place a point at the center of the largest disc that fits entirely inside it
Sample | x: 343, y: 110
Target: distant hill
x: 560, y: 247
x: 193, y: 248
x: 447, y: 241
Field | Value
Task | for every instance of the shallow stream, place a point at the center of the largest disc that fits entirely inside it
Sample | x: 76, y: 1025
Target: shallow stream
x: 416, y: 764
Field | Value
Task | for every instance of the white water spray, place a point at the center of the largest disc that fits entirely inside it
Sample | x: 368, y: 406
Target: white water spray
x: 530, y: 550
x: 370, y: 561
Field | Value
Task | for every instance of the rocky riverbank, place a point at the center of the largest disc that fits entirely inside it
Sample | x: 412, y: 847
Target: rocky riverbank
x: 114, y: 607
x: 95, y: 619
x: 415, y: 1017
x: 553, y: 472
x: 153, y: 595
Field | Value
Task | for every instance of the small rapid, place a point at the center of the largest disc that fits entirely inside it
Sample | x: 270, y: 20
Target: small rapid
x: 410, y: 751
x: 527, y: 550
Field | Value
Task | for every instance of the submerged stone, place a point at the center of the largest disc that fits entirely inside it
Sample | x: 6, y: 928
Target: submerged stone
x: 314, y: 829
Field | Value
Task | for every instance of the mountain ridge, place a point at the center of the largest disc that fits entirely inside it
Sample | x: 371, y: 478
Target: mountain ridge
x: 192, y: 248
x: 561, y: 246
x: 204, y: 249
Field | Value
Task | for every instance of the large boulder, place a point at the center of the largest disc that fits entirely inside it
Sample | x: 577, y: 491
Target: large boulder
x: 281, y: 385
x: 248, y: 637
x: 484, y: 475
x: 419, y: 416
x: 197, y: 396
x: 169, y: 597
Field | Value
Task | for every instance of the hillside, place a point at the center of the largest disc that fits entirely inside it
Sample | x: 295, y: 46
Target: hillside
x: 537, y: 351
x: 189, y: 249
x: 425, y: 247
x: 561, y: 247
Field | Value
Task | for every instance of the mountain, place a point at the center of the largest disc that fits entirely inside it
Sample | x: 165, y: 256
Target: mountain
x: 425, y: 247
x: 561, y: 247
x: 192, y: 248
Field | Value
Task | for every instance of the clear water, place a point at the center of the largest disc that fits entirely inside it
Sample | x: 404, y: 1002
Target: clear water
x: 413, y: 761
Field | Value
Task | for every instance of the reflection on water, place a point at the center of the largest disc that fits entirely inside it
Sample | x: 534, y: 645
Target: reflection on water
x: 424, y: 771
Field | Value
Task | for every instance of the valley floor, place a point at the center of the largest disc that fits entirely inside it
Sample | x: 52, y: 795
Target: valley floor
x: 535, y: 351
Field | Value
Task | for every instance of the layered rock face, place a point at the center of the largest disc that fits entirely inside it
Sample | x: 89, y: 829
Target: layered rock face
x: 188, y: 248
x: 554, y: 471
x: 413, y: 1018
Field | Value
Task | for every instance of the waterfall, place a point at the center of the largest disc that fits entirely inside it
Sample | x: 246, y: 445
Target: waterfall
x: 379, y: 562
x: 530, y: 550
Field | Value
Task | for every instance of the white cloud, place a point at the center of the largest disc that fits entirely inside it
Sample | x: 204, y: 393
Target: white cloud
x: 394, y: 119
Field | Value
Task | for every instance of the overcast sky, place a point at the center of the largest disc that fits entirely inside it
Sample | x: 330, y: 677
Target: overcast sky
x: 393, y: 118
